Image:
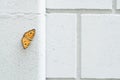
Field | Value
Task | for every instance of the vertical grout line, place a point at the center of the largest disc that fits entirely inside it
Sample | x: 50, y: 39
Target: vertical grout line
x: 114, y: 3
x: 78, y: 31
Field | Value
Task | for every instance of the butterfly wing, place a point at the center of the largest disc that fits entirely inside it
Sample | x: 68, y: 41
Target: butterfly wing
x: 30, y: 34
x: 27, y: 38
x: 25, y: 42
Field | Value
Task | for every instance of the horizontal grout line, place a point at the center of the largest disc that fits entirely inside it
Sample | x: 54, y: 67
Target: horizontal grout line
x: 118, y: 11
x: 60, y: 78
x: 82, y: 79
x: 81, y: 11
x: 99, y: 79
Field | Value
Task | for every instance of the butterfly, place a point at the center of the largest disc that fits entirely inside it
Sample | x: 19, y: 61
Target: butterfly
x: 27, y: 38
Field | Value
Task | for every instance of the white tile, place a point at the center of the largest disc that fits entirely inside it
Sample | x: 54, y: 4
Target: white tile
x: 100, y: 46
x: 79, y: 4
x: 118, y: 4
x: 19, y: 6
x: 61, y: 29
x: 17, y: 63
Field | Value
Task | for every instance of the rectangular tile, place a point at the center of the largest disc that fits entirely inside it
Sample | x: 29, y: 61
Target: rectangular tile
x: 79, y: 4
x: 61, y: 45
x: 100, y: 46
x: 118, y: 4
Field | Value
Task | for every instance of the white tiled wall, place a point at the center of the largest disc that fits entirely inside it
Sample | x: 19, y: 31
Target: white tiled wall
x: 61, y: 45
x: 79, y: 4
x: 99, y: 37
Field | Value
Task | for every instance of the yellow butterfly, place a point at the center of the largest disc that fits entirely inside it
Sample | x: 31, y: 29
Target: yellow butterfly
x: 27, y: 38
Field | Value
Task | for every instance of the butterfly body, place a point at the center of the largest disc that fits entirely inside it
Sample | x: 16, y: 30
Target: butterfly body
x: 27, y: 38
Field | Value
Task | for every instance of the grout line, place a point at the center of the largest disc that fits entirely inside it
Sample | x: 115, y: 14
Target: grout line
x: 81, y: 11
x: 118, y: 11
x: 82, y: 79
x: 99, y: 79
x: 78, y: 47
x: 60, y: 78
x: 114, y: 3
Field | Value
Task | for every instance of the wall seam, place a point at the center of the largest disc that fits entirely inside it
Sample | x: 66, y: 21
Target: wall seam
x: 80, y: 11
x: 78, y: 42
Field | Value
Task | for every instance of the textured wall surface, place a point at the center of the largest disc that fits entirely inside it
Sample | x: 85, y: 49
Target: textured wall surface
x: 19, y: 6
x: 16, y: 63
x: 96, y: 53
